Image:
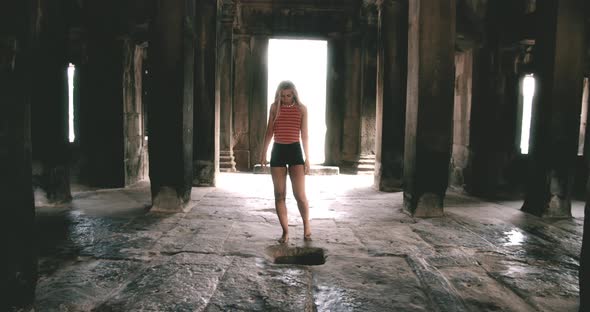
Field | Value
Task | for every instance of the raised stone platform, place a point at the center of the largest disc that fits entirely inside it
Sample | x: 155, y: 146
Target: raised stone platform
x: 314, y: 170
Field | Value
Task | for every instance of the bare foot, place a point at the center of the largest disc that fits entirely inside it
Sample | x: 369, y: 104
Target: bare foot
x: 307, y: 237
x: 306, y: 232
x: 284, y: 239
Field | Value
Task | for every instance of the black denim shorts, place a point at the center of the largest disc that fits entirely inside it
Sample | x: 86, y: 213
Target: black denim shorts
x: 286, y: 154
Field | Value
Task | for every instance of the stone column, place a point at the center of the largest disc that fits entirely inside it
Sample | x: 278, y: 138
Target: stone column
x: 334, y: 101
x: 461, y: 119
x: 368, y: 88
x: 487, y: 90
x: 206, y: 162
x: 241, y: 102
x: 172, y: 54
x: 101, y: 94
x: 135, y: 160
x: 50, y: 105
x: 258, y: 103
x: 559, y: 55
x: 584, y: 273
x: 18, y: 274
x: 351, y: 122
x: 101, y: 113
x: 226, y: 12
x: 429, y: 110
x: 492, y: 103
x: 391, y: 95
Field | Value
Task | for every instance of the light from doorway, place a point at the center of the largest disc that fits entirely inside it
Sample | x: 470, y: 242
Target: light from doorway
x: 528, y: 91
x: 304, y: 62
x: 71, y: 132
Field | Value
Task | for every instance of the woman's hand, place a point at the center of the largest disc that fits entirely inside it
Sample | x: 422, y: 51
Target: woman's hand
x: 263, y: 161
x: 306, y: 166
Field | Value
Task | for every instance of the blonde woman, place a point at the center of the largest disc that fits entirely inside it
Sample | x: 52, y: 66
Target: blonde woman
x: 287, y: 122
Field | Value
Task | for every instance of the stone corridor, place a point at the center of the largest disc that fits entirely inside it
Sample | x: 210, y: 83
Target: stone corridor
x: 106, y: 252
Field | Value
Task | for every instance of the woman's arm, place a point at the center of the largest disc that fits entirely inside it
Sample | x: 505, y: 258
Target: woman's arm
x: 305, y: 137
x: 268, y: 134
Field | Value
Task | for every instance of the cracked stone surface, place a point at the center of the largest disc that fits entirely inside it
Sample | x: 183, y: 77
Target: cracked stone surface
x: 107, y: 252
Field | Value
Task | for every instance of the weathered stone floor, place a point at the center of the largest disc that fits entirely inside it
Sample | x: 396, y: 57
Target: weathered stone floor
x: 105, y: 252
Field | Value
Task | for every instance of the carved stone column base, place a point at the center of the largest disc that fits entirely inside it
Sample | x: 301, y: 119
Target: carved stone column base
x: 168, y: 200
x: 385, y: 179
x: 427, y: 205
x: 204, y: 173
x: 227, y: 162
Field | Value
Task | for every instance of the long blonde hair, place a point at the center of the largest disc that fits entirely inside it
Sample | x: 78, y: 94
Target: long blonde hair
x: 285, y: 85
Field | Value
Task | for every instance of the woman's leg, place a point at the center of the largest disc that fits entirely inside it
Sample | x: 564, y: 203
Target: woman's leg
x: 297, y: 175
x: 279, y: 180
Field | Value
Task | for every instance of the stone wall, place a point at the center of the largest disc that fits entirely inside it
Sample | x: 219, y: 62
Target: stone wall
x: 18, y: 273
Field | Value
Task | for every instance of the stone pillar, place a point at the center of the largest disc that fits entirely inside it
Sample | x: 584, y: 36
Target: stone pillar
x: 494, y: 99
x: 241, y: 102
x: 226, y: 12
x: 334, y: 101
x: 559, y: 55
x: 172, y: 55
x: 101, y: 113
x: 368, y: 88
x: 391, y: 95
x: 102, y: 104
x: 135, y: 158
x: 351, y: 122
x: 584, y: 273
x: 49, y: 105
x: 206, y: 162
x: 492, y: 95
x: 461, y: 119
x: 482, y: 132
x: 18, y: 273
x: 429, y: 110
x: 258, y: 103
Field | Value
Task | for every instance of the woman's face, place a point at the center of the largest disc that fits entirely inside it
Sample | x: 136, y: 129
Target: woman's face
x: 287, y: 96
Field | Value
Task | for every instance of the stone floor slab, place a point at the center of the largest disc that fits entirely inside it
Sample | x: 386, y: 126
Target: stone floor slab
x: 107, y: 252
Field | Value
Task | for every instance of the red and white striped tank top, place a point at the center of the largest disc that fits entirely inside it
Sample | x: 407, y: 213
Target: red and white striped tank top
x: 287, y: 126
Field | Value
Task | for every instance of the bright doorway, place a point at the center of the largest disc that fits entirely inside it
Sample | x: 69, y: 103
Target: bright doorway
x: 304, y: 62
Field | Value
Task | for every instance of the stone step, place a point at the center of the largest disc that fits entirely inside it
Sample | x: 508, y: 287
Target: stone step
x: 314, y: 170
x: 227, y: 163
x: 364, y: 167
